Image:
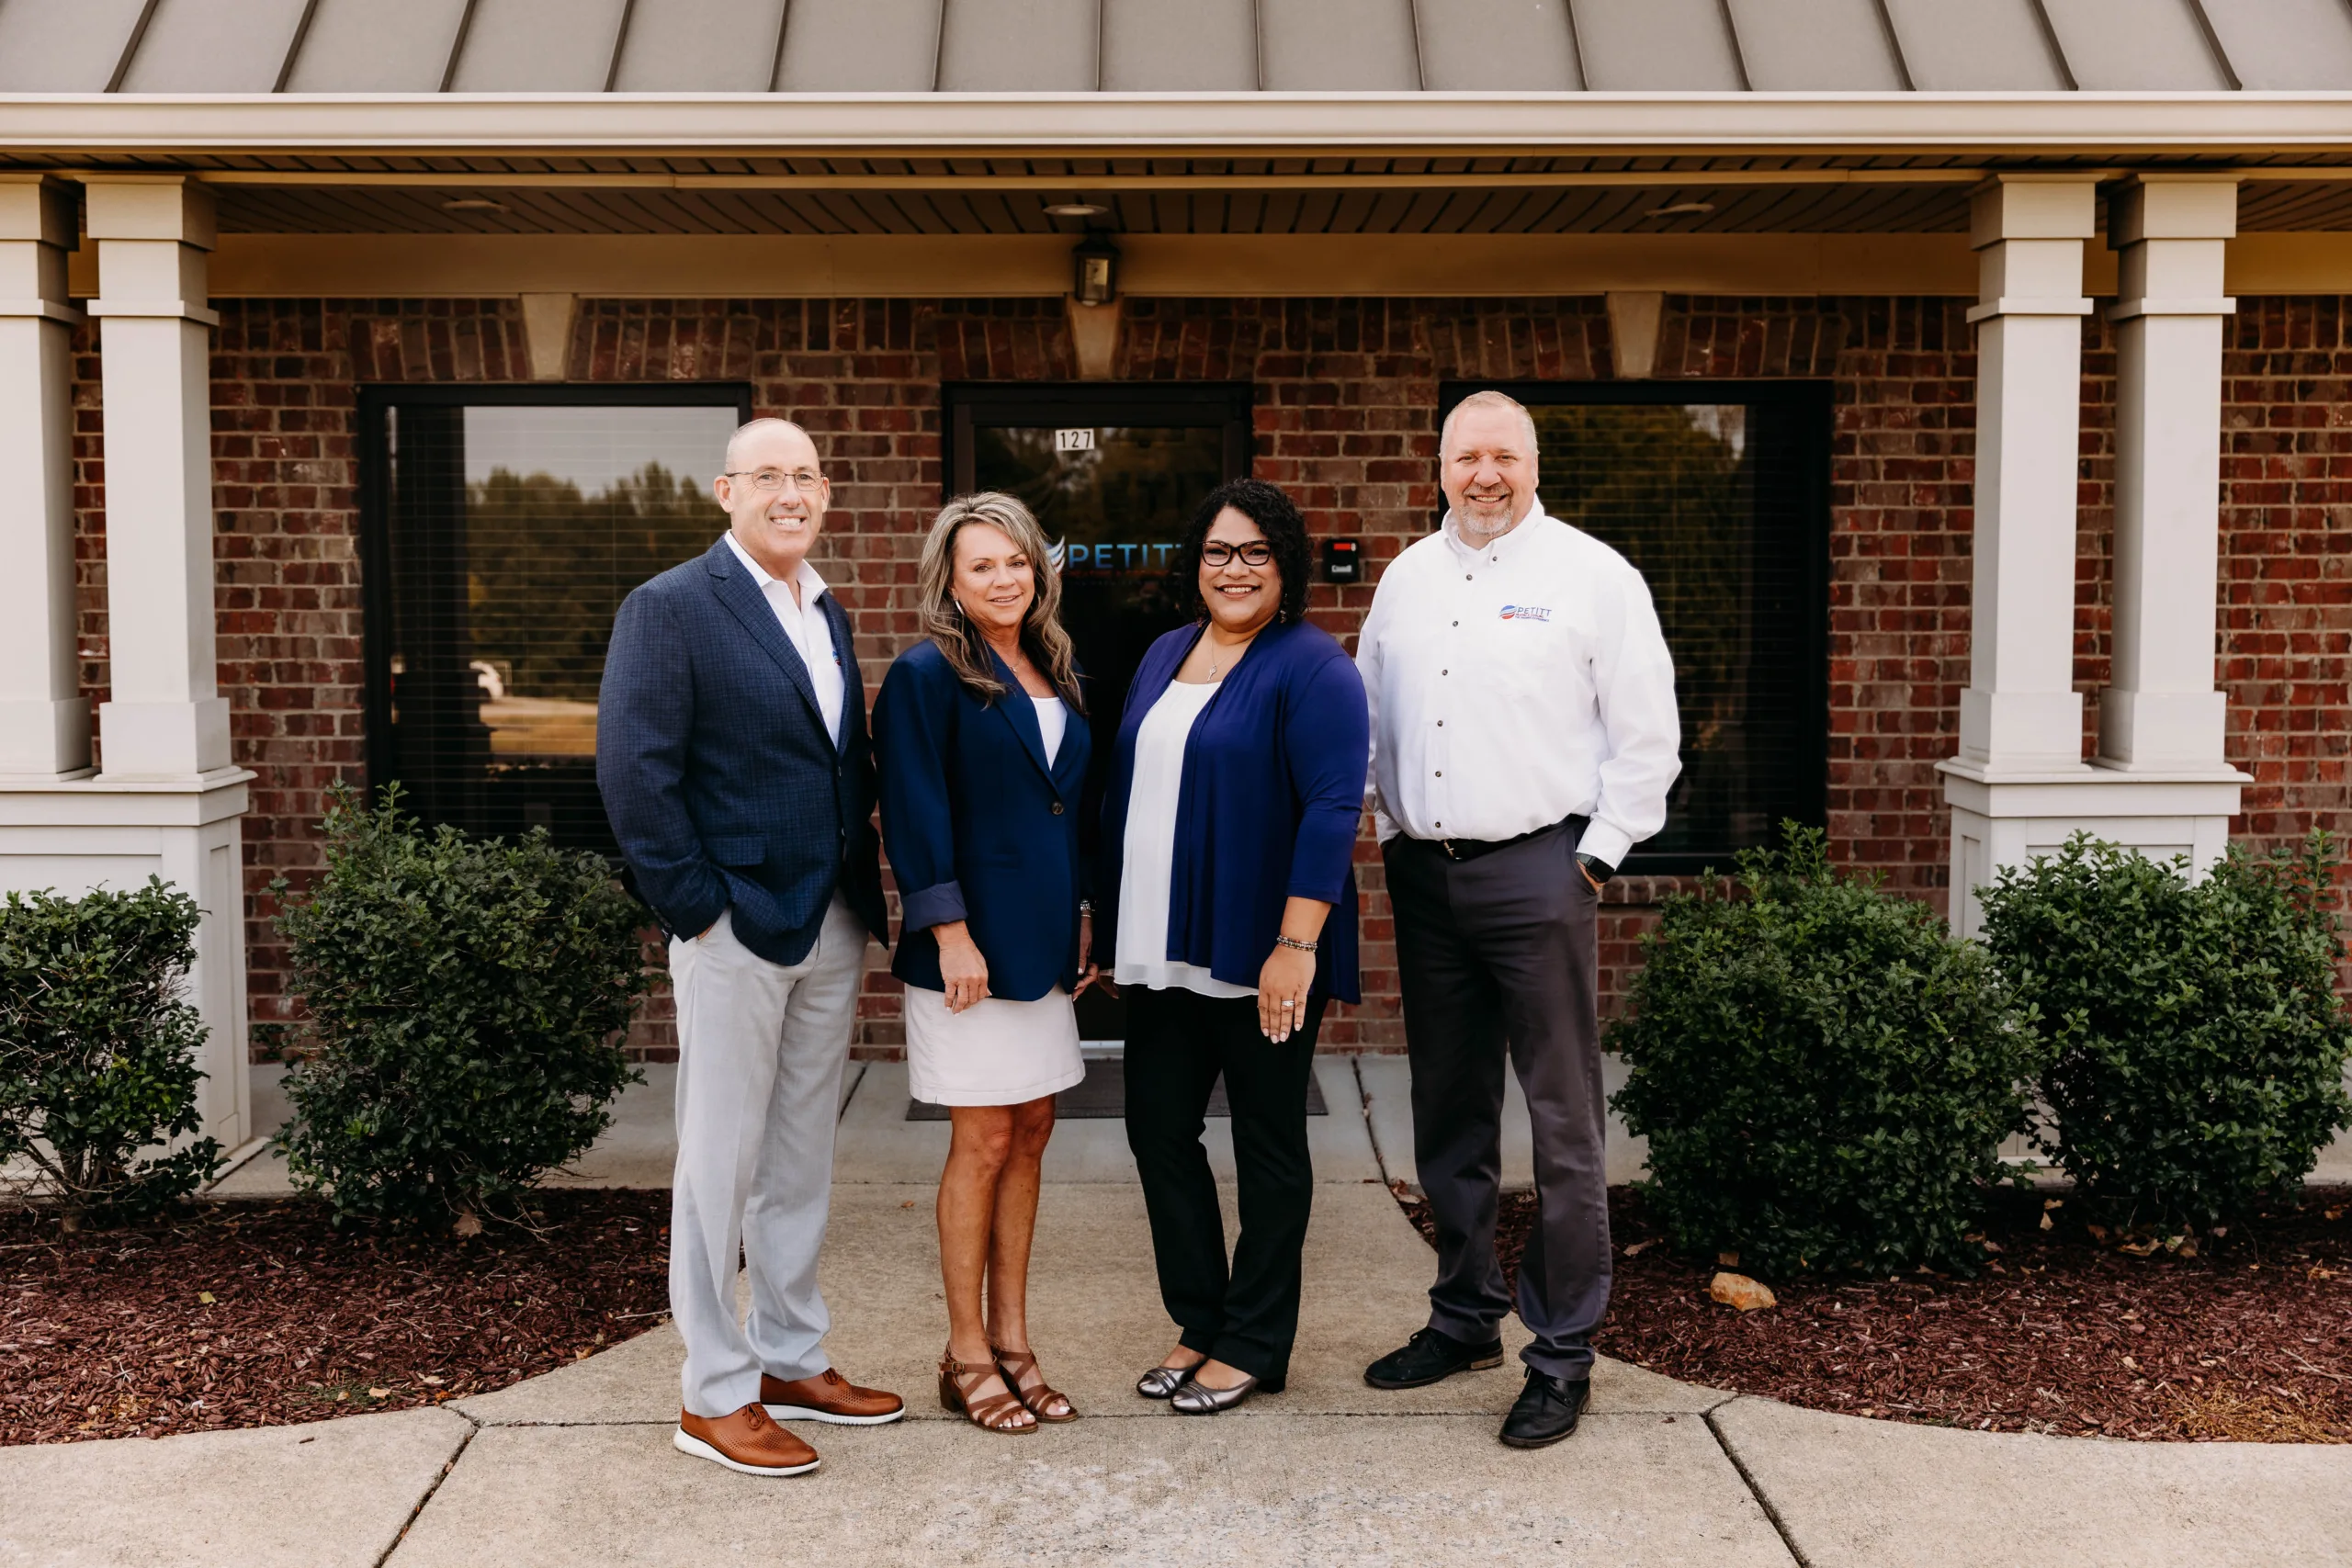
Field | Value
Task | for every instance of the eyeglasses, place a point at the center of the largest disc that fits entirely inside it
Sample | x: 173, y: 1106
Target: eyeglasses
x: 1217, y: 552
x: 767, y: 482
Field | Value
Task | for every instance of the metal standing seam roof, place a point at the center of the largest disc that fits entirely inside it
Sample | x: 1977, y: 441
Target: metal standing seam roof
x: 505, y: 47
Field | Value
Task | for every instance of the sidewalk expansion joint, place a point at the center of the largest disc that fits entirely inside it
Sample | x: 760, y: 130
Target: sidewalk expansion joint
x: 1780, y: 1526
x: 1363, y: 1108
x: 472, y: 1429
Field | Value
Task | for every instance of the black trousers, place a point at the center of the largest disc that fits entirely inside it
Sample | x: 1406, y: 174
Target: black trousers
x: 1496, y: 954
x: 1178, y: 1042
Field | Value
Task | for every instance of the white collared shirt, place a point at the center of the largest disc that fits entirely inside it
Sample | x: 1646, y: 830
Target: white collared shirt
x: 1515, y: 683
x: 805, y: 625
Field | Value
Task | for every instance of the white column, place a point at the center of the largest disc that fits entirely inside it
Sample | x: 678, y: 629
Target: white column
x: 44, y: 721
x: 2021, y: 710
x: 2019, y: 788
x: 167, y: 718
x: 2170, y: 231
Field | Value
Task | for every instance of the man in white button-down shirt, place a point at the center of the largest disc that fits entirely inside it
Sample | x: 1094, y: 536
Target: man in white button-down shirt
x: 1524, y: 736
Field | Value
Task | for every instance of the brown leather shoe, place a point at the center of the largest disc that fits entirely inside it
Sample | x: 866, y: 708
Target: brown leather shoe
x: 829, y: 1396
x: 747, y: 1441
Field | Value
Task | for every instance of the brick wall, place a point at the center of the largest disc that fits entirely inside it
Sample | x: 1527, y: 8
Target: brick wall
x: 2286, y: 561
x: 1345, y: 419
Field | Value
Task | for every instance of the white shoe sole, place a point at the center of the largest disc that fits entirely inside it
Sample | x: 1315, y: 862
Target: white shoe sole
x: 806, y: 1413
x: 687, y: 1444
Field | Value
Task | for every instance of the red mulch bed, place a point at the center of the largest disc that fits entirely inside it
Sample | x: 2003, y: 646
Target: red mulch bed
x: 261, y: 1313
x: 2248, y: 1340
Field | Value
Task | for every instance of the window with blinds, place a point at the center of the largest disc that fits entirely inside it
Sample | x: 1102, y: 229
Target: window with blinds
x: 1718, y: 492
x: 503, y: 527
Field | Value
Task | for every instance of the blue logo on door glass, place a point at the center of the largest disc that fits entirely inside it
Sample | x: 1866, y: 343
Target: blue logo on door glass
x: 1126, y: 556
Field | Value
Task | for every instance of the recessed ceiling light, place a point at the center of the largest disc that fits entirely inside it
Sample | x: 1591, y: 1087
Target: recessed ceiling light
x: 1682, y: 209
x: 1076, y: 209
x: 472, y: 204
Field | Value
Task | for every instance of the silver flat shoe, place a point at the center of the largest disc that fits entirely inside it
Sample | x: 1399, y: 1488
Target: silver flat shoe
x: 1162, y: 1381
x: 1199, y: 1399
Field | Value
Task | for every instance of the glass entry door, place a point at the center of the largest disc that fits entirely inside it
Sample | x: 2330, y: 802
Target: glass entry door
x: 1112, y: 474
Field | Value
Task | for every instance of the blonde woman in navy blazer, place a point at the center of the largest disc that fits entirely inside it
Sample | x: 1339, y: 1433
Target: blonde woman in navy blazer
x: 981, y: 736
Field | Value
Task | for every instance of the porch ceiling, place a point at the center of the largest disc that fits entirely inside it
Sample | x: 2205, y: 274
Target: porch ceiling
x: 1463, y: 207
x: 1441, y: 205
x: 1368, y: 197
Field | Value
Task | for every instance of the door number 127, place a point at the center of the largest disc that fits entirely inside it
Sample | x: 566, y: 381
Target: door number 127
x: 1073, y: 441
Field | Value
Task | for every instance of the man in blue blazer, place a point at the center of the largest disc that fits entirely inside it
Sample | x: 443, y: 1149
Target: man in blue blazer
x: 732, y: 754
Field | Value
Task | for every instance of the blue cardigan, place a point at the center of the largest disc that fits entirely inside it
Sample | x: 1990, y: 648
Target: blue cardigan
x: 978, y: 827
x: 1267, y: 810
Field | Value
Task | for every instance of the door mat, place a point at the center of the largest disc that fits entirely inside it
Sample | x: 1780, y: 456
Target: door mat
x: 1103, y: 1093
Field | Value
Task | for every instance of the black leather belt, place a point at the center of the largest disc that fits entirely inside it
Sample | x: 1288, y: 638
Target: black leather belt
x: 1471, y: 848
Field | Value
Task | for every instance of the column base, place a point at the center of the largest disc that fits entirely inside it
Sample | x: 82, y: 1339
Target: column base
x: 2162, y: 732
x: 2009, y: 818
x: 45, y: 738
x: 164, y: 740
x: 2012, y: 730
x: 80, y: 835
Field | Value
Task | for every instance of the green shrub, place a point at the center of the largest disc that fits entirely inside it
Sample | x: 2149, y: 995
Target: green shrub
x: 98, y: 1049
x: 1823, y: 1074
x: 464, y: 996
x: 2199, y: 1042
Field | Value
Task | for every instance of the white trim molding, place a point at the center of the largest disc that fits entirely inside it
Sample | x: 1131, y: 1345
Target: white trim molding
x: 2008, y: 123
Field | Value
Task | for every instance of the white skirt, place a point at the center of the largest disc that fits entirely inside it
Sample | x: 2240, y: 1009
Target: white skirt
x: 994, y: 1052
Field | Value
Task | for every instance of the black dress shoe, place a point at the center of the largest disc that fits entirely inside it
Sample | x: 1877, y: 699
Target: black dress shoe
x: 1429, y: 1356
x: 1547, y: 1411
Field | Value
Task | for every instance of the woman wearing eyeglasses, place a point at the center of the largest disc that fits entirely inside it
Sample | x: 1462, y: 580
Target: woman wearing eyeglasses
x: 1228, y: 894
x: 981, y: 738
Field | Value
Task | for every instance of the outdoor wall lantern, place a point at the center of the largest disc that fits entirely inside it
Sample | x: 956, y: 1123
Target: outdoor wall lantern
x: 1097, y: 275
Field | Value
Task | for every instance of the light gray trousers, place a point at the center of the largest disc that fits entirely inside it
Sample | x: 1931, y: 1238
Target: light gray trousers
x: 761, y: 1048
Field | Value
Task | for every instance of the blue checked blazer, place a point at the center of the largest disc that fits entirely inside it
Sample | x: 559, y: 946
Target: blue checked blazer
x: 722, y: 786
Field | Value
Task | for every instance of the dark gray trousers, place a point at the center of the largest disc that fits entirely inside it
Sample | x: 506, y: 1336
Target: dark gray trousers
x: 1496, y: 953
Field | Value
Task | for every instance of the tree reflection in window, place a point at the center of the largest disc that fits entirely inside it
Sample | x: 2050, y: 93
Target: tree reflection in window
x: 515, y: 533
x: 1713, y: 501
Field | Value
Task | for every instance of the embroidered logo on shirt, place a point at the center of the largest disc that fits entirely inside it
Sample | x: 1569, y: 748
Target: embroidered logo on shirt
x: 1526, y: 613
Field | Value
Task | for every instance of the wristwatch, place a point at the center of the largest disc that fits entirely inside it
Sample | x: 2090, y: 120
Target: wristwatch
x: 1600, y: 870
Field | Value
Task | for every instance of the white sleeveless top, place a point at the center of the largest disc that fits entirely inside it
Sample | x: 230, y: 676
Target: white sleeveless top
x: 1151, y: 849
x: 1053, y: 723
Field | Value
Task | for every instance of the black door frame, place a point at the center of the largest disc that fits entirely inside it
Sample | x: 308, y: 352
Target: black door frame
x: 965, y: 405
x: 1063, y: 402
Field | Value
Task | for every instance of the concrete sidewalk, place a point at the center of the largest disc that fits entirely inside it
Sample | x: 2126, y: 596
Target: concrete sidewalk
x: 575, y: 1468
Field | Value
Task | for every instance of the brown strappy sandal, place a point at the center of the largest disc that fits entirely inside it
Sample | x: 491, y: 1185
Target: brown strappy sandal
x: 997, y: 1413
x: 1041, y: 1397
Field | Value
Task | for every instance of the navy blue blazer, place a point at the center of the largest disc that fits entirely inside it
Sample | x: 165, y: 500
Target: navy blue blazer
x: 722, y: 786
x: 1267, y: 810
x: 978, y: 827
